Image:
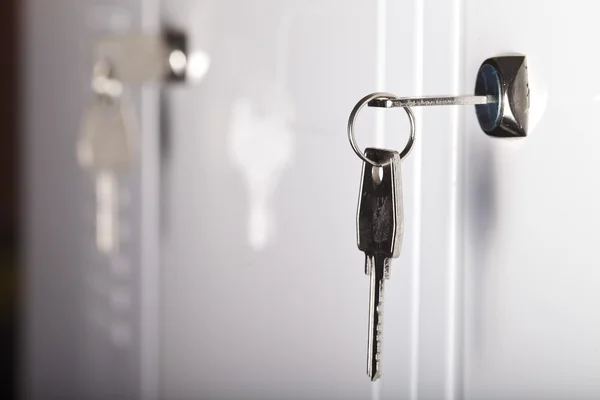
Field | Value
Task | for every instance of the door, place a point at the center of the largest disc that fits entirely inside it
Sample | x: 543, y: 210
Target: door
x: 263, y: 289
x: 531, y: 325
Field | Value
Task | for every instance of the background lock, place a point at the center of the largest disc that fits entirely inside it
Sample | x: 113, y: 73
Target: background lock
x: 142, y: 58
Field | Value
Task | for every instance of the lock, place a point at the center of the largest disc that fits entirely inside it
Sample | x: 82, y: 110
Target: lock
x: 504, y: 79
x: 141, y: 58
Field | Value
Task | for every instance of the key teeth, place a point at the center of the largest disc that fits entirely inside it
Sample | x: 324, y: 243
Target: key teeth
x: 386, y: 268
x: 370, y: 261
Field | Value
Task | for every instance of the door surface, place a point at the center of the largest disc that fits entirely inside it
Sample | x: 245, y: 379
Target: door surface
x: 532, y: 327
x: 263, y: 290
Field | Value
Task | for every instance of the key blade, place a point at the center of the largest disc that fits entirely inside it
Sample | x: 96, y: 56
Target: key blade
x: 378, y: 272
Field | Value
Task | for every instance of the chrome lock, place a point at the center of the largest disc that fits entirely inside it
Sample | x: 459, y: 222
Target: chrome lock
x: 139, y: 58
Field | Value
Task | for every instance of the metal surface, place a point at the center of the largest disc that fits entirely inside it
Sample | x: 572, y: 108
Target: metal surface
x: 507, y: 79
x: 380, y: 226
x: 252, y: 132
x: 351, y: 120
x: 432, y: 101
x: 531, y: 324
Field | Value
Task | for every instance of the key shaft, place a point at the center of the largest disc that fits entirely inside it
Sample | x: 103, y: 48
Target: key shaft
x: 432, y: 101
x: 378, y: 267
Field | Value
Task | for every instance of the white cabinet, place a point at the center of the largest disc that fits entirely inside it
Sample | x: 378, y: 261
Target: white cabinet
x: 244, y: 276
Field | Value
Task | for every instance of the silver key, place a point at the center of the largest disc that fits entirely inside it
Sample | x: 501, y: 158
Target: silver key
x: 106, y: 148
x: 380, y: 225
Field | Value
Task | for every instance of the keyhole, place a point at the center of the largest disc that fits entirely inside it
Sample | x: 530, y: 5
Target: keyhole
x: 377, y: 173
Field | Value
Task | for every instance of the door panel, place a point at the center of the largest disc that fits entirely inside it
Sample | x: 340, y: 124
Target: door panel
x: 532, y: 327
x: 263, y: 287
x: 83, y: 326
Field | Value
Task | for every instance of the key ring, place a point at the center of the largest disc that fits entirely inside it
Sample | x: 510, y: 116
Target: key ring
x: 359, y: 106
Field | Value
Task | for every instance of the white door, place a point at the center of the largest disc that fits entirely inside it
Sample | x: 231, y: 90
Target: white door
x: 263, y: 289
x: 531, y: 276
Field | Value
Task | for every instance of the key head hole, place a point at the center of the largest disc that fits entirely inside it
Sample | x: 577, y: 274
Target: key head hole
x: 377, y: 173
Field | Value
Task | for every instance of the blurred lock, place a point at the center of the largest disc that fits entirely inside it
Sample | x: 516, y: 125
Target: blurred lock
x: 139, y: 58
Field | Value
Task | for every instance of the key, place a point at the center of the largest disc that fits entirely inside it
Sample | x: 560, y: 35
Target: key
x: 105, y: 148
x: 379, y: 229
x: 434, y: 101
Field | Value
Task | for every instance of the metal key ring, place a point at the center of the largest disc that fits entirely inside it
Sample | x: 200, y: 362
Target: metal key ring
x: 358, y: 107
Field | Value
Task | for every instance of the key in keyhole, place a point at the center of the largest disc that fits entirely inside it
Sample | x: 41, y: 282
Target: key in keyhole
x: 501, y: 97
x: 105, y: 148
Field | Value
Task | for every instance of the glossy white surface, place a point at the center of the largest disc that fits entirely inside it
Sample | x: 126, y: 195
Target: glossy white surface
x: 242, y: 278
x: 532, y: 326
x: 263, y: 285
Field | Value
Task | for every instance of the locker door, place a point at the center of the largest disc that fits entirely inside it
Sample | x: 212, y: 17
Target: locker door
x: 88, y: 326
x: 532, y: 328
x: 263, y: 289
